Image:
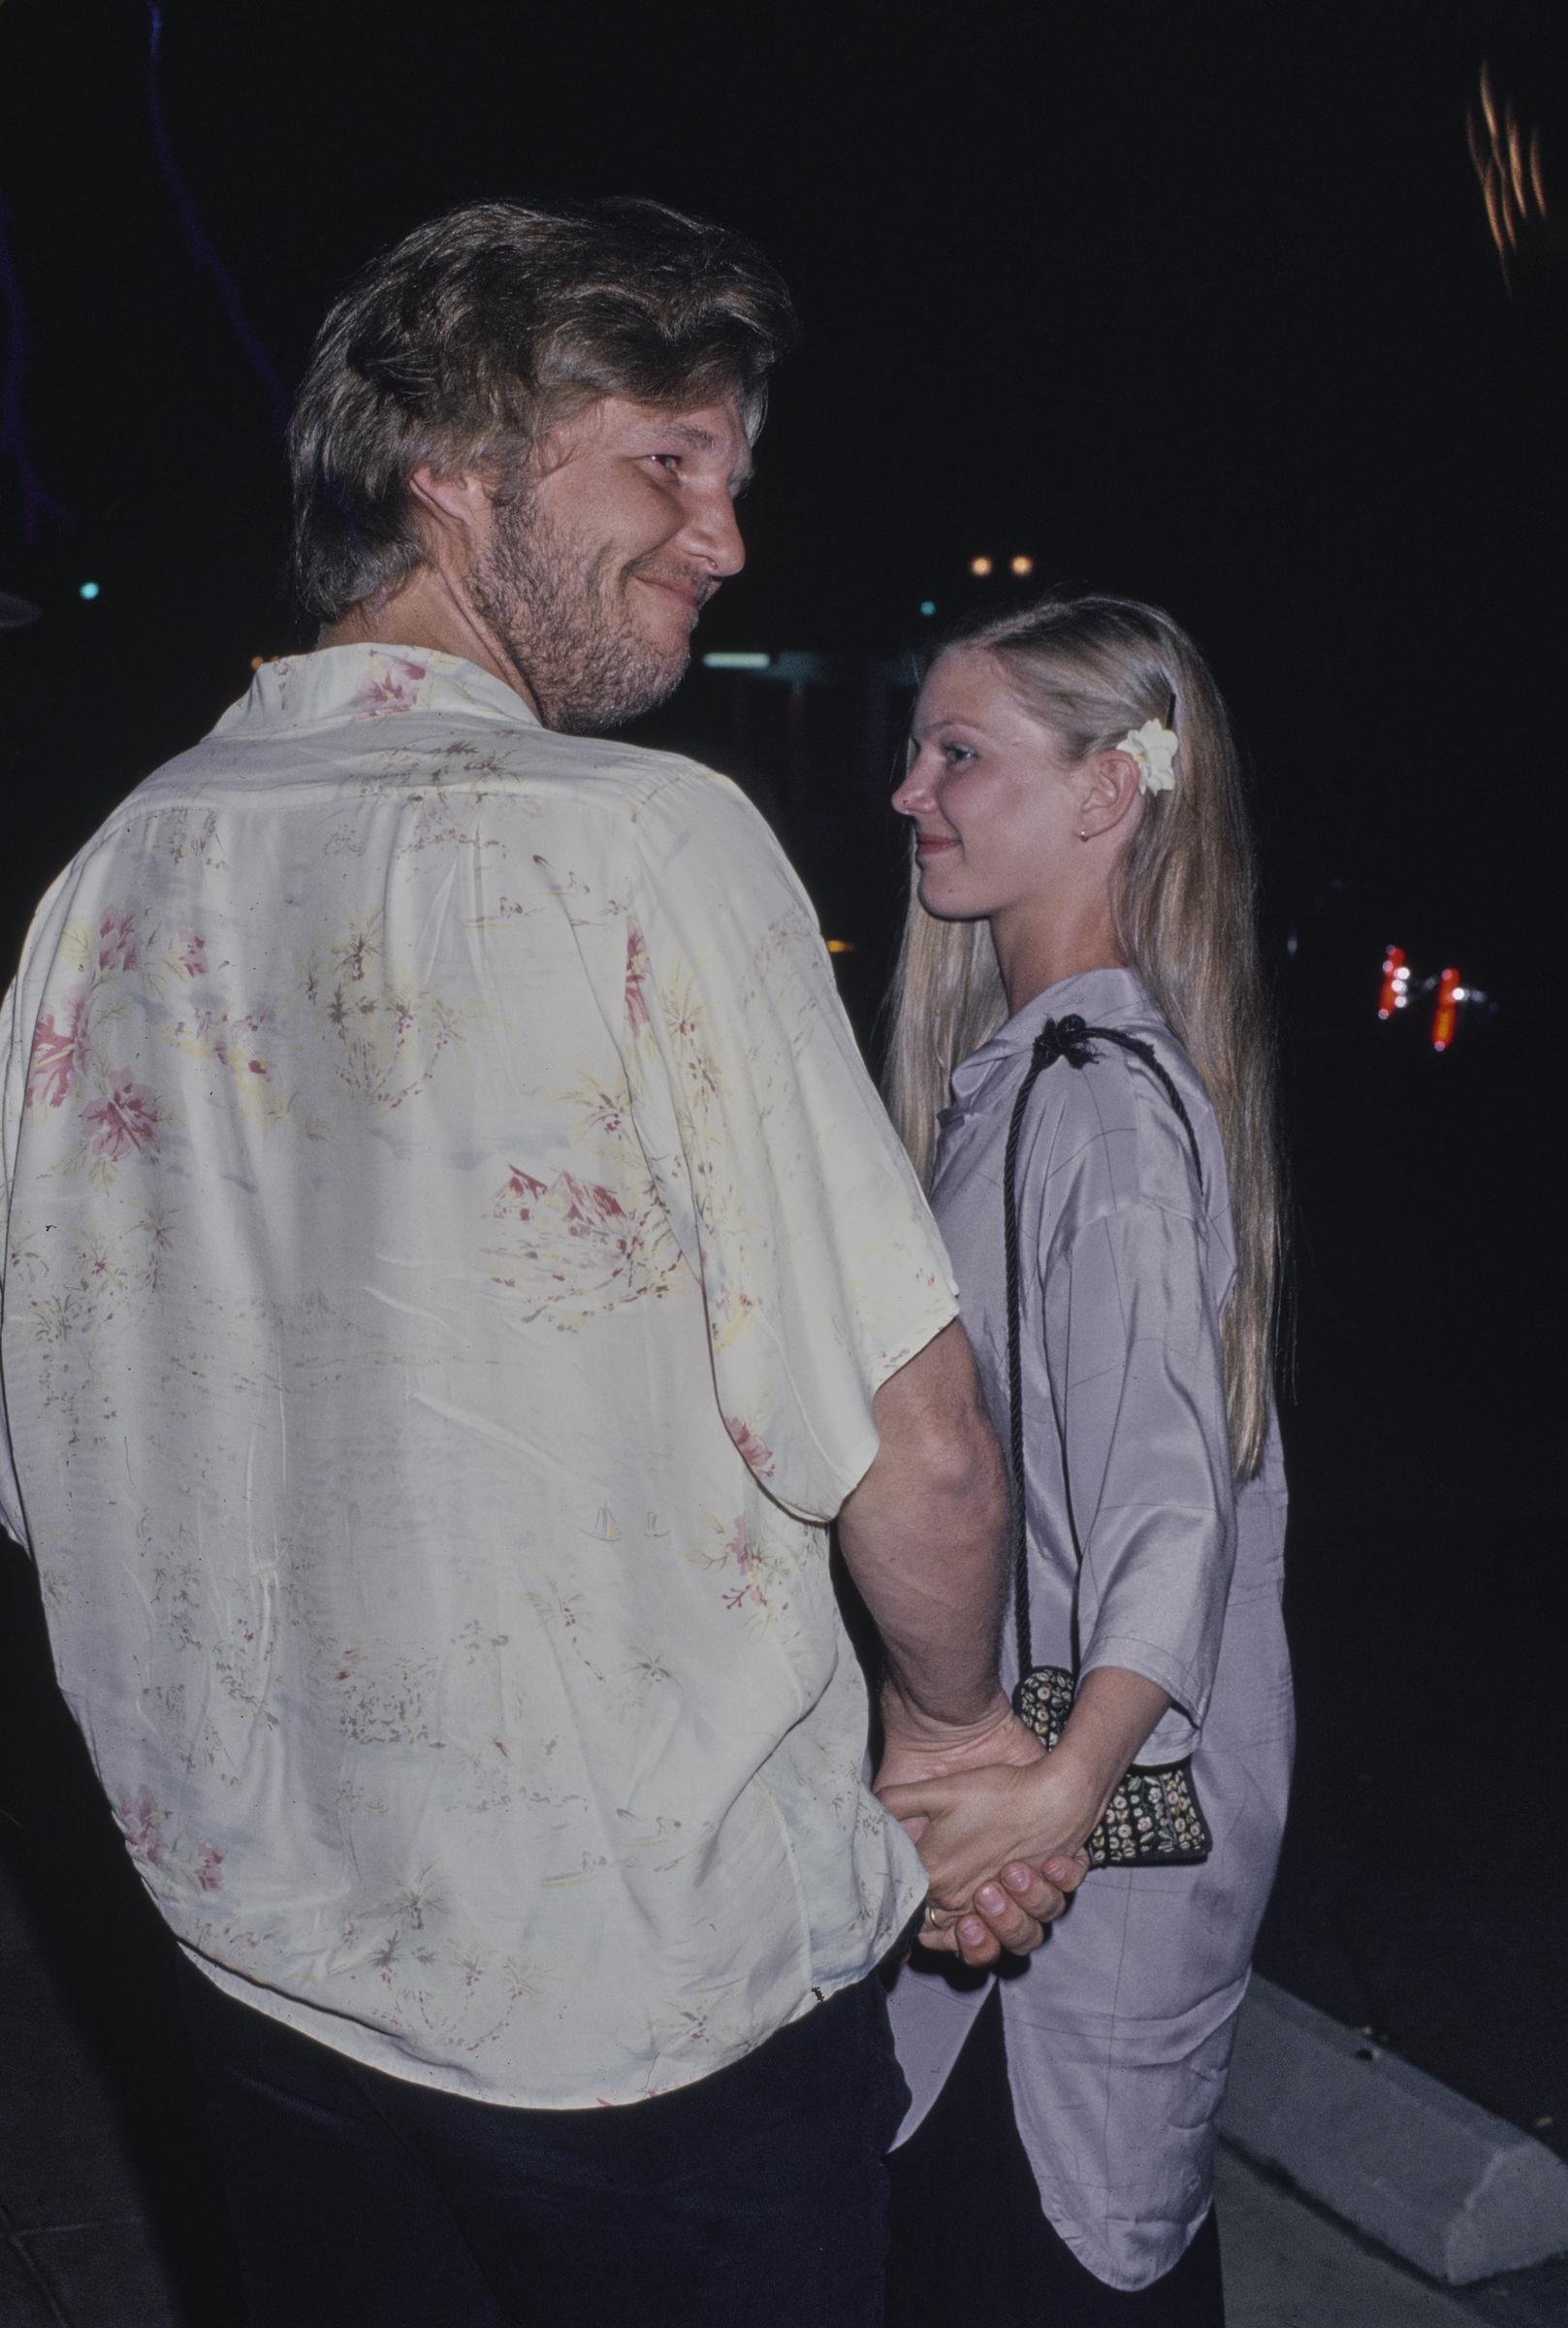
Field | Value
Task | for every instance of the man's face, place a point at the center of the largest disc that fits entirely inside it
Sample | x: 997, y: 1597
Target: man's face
x: 593, y: 575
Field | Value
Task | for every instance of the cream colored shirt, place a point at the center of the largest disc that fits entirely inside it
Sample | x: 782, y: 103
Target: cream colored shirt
x: 452, y: 1247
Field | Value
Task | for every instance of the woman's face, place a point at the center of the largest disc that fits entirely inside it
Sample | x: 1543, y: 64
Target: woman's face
x: 992, y: 803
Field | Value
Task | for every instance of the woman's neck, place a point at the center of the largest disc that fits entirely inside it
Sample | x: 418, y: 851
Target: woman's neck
x: 1035, y: 950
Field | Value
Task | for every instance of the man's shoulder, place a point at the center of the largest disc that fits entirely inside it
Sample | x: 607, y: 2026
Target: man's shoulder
x: 440, y: 747
x: 653, y: 823
x: 615, y: 774
x: 678, y: 816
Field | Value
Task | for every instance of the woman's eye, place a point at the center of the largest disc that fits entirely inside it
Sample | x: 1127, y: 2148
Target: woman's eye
x: 954, y: 753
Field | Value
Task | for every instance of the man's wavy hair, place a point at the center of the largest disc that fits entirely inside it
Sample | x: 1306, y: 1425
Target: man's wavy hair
x: 467, y: 342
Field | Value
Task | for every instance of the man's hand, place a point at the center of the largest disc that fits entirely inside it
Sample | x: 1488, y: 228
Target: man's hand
x: 969, y: 1823
x: 1009, y: 1911
x: 1001, y: 1802
x: 915, y: 1748
x: 1006, y: 1906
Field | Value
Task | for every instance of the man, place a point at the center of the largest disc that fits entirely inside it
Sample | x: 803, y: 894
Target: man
x: 455, y: 1270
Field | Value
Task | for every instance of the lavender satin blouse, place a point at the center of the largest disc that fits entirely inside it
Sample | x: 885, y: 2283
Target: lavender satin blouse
x: 1119, y: 2029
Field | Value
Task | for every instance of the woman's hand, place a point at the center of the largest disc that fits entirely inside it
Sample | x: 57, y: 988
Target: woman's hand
x: 1012, y: 1908
x: 1008, y: 1805
x: 1006, y: 1815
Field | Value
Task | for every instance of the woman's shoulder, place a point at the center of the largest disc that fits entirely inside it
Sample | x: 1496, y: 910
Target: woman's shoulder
x: 1113, y: 1137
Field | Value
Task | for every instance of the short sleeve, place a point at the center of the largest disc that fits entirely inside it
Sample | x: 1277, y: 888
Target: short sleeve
x: 12, y: 1081
x: 821, y: 1268
x: 1148, y: 1455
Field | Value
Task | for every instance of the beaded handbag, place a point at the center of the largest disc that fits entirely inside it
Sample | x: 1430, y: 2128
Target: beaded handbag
x: 1154, y: 1819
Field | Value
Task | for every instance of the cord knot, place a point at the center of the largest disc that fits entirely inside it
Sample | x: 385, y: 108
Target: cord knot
x: 1063, y: 1039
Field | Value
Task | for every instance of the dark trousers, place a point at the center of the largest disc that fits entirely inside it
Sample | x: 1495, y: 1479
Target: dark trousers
x: 972, y: 2246
x: 756, y: 2198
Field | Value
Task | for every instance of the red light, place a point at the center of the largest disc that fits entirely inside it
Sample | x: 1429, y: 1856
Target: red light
x: 1392, y: 994
x: 1446, y: 1014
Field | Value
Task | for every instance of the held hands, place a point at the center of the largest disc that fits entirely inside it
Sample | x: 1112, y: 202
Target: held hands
x: 998, y: 1823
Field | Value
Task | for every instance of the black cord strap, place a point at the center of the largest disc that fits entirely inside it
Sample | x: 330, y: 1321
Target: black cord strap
x: 1058, y: 1038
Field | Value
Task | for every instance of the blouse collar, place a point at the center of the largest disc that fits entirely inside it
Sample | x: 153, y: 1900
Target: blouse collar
x: 1100, y: 997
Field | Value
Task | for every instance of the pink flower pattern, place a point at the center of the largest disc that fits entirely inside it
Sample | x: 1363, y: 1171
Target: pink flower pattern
x: 119, y: 946
x: 752, y: 1566
x: 637, y: 978
x: 392, y: 685
x: 59, y: 1051
x: 229, y: 1041
x: 145, y: 1826
x: 128, y: 1118
x: 142, y: 1822
x: 568, y: 1208
x: 755, y: 1454
x: 190, y: 953
x: 573, y: 1246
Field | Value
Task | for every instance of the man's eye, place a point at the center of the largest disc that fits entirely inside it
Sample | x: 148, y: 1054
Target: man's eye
x: 669, y: 463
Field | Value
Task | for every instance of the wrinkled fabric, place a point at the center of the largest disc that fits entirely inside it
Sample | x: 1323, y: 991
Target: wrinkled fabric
x: 1119, y: 2029
x: 452, y: 1244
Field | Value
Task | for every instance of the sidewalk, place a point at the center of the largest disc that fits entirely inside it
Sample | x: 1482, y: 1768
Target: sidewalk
x: 1290, y: 2265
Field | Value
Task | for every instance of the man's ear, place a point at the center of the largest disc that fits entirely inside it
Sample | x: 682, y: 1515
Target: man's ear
x: 1110, y: 793
x: 455, y: 508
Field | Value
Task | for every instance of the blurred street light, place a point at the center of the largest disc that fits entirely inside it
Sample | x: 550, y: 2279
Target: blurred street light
x: 1513, y: 179
x: 1394, y: 992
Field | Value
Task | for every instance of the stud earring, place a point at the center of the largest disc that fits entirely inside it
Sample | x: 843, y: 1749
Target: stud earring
x: 1083, y: 836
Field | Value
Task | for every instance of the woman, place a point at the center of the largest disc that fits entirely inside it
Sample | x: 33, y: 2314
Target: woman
x: 1081, y: 852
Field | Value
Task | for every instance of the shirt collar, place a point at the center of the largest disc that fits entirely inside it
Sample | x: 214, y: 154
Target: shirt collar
x: 368, y: 681
x: 1100, y: 997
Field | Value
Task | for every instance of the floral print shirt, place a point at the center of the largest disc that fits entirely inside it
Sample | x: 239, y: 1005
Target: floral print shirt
x: 451, y: 1246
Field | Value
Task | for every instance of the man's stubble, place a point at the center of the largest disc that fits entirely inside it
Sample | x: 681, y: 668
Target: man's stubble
x: 558, y: 614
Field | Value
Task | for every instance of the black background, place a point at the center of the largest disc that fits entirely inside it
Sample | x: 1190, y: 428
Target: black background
x: 1197, y: 303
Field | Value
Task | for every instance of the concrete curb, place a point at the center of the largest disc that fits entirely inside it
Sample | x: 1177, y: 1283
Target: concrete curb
x: 1445, y: 2185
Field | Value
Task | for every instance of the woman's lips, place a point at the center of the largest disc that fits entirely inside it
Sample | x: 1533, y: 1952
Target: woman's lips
x: 931, y: 844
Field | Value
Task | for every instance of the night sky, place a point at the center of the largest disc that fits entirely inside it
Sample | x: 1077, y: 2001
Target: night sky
x: 1193, y: 302
x: 1198, y: 303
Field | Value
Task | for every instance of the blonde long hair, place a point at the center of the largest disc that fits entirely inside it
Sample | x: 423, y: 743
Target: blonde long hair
x: 1184, y: 901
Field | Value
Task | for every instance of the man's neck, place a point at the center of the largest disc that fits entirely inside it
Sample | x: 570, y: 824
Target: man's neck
x: 427, y: 613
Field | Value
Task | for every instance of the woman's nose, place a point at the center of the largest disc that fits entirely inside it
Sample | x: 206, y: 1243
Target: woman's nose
x: 913, y: 793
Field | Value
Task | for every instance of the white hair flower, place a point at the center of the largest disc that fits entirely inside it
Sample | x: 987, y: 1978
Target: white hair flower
x: 1154, y: 748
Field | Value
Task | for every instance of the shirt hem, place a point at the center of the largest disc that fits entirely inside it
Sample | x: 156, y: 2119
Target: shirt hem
x: 328, y: 2030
